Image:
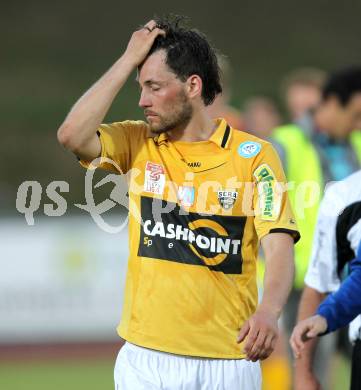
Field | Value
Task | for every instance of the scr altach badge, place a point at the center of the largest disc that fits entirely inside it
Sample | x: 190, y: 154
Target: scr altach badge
x: 227, y: 198
x: 154, y: 178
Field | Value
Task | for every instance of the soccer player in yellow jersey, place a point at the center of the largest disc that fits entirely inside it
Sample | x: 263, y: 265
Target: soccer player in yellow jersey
x: 202, y: 196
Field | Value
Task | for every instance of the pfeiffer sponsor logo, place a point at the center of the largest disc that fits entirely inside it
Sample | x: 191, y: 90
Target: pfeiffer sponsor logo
x: 213, y: 241
x: 269, y: 197
x: 227, y: 198
x: 154, y: 178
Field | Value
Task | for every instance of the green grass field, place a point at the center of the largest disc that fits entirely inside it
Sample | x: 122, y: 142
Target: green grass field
x: 57, y: 375
x: 98, y: 375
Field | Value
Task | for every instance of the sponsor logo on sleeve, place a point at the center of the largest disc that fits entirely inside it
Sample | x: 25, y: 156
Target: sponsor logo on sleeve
x: 227, y: 198
x: 154, y: 178
x: 269, y: 197
x: 249, y: 149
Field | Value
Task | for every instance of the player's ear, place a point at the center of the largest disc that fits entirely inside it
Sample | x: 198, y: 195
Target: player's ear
x: 194, y: 86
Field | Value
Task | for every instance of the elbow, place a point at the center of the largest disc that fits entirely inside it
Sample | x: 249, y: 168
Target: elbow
x: 66, y: 137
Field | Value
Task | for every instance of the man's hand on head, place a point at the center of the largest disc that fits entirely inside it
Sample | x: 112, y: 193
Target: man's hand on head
x: 141, y: 42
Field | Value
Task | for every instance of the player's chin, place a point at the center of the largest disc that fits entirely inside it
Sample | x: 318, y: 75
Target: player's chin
x: 156, y: 127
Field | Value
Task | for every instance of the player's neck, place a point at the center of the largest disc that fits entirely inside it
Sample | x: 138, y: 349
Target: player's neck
x: 199, y: 128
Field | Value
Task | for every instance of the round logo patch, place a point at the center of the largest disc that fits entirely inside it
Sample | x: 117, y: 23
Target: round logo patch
x: 249, y: 149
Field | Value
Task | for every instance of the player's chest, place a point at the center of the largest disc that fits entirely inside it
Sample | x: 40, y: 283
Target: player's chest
x: 201, y: 185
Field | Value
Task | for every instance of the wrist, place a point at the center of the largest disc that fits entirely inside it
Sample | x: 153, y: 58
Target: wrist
x: 270, y: 309
x: 128, y: 61
x: 303, y: 367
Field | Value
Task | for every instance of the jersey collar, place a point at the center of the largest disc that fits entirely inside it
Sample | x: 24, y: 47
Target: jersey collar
x: 221, y: 136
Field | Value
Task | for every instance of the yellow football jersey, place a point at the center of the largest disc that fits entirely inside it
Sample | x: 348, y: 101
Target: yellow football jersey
x: 197, y: 211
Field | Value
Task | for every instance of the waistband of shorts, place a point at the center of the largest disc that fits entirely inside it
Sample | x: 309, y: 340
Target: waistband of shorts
x: 137, y: 348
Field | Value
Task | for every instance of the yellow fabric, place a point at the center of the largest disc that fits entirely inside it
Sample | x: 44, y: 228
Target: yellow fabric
x: 191, y: 280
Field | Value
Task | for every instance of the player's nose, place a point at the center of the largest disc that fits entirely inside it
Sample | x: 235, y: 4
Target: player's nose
x: 144, y: 100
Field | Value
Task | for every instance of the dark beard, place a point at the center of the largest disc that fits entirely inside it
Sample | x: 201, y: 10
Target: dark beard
x: 176, y: 120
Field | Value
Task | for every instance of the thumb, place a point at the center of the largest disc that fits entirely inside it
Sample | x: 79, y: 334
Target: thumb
x: 313, y: 332
x: 243, y: 332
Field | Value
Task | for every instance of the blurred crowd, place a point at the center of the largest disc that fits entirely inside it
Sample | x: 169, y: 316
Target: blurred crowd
x: 316, y: 133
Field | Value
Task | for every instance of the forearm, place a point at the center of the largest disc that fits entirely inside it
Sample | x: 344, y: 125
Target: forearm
x: 89, y: 111
x: 278, y: 277
x: 276, y: 291
x: 309, y: 303
x: 261, y: 328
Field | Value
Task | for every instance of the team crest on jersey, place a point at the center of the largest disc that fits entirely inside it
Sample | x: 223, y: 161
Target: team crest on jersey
x: 154, y: 178
x: 186, y: 195
x: 227, y: 198
x: 249, y: 149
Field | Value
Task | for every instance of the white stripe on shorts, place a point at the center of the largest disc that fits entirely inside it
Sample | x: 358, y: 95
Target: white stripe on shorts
x: 139, y: 368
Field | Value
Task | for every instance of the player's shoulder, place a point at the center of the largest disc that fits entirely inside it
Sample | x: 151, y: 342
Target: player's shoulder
x: 338, y: 195
x: 128, y: 125
x: 248, y: 145
x: 351, y: 180
x: 348, y: 188
x: 242, y: 136
x: 135, y: 131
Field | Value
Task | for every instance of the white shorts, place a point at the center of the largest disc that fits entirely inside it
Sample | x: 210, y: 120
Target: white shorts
x: 139, y: 368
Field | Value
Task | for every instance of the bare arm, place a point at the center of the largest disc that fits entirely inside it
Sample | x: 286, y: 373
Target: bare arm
x: 261, y: 329
x: 304, y: 376
x: 280, y: 269
x: 78, y: 131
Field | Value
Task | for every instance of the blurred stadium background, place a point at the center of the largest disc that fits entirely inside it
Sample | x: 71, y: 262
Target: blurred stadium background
x: 61, y: 280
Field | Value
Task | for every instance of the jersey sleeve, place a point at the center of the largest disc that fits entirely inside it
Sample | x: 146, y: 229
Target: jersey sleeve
x: 273, y: 213
x: 322, y: 270
x: 120, y: 143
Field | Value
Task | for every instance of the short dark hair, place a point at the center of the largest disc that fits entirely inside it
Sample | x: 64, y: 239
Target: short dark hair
x: 188, y: 52
x: 343, y: 84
